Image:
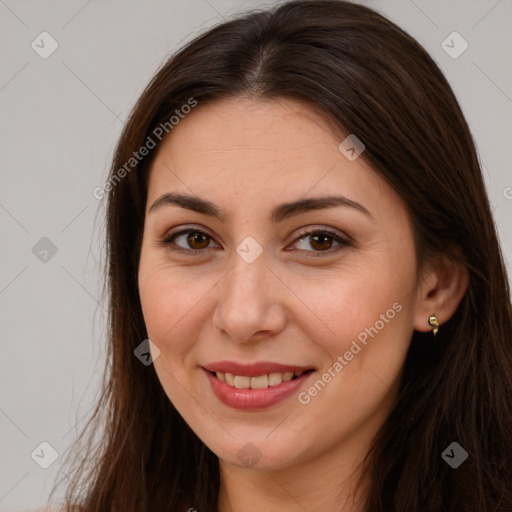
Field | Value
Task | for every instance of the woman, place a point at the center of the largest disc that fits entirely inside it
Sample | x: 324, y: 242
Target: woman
x: 297, y: 220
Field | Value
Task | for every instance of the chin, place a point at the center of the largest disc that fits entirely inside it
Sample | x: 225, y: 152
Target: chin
x: 260, y: 453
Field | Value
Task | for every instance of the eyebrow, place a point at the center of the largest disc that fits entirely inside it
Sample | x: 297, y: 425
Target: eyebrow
x: 280, y: 213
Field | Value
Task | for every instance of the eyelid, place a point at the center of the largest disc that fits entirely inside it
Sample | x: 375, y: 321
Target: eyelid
x: 335, y: 233
x: 341, y: 238
x: 168, y: 239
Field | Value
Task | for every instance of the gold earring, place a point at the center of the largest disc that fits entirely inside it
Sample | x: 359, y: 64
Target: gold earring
x: 432, y: 320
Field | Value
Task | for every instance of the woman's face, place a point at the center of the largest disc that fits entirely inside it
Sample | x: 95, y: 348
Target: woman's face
x: 257, y: 296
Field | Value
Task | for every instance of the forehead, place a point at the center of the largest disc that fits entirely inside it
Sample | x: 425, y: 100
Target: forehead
x: 246, y: 151
x: 238, y: 125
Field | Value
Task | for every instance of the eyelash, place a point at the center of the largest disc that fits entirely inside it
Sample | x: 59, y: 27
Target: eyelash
x: 343, y: 243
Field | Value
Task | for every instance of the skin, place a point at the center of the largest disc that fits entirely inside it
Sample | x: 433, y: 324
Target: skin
x: 247, y: 156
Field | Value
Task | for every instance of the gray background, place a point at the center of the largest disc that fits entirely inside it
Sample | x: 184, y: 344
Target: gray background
x: 60, y: 119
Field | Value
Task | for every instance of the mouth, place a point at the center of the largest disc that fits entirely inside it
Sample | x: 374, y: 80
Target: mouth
x: 256, y: 386
x: 263, y: 381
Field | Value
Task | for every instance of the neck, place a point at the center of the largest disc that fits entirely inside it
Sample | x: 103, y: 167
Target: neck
x: 328, y: 482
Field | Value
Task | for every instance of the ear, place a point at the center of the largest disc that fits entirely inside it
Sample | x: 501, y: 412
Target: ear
x: 443, y: 284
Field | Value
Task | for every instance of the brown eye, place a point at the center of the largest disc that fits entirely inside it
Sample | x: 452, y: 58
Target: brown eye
x: 317, y: 242
x: 321, y: 241
x: 197, y: 240
x: 192, y: 241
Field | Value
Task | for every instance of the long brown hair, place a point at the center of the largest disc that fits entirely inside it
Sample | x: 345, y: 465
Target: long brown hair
x: 376, y: 81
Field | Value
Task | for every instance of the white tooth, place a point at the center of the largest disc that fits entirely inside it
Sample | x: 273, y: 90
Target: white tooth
x: 220, y: 376
x: 274, y: 379
x: 230, y: 379
x: 259, y: 382
x: 298, y: 374
x: 287, y: 376
x: 242, y: 382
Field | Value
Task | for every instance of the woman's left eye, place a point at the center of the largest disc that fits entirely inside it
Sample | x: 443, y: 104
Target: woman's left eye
x: 321, y: 240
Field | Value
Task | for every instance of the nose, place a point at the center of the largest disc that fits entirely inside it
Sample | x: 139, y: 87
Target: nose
x: 250, y: 301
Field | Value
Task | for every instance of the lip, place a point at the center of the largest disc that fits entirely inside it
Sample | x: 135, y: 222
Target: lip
x: 253, y: 369
x: 255, y: 399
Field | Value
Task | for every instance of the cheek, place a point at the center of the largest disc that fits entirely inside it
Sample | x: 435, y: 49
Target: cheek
x: 170, y: 297
x: 369, y: 322
x: 169, y: 302
x: 360, y: 303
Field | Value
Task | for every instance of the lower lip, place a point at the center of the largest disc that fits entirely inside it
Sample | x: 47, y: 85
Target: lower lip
x: 254, y: 398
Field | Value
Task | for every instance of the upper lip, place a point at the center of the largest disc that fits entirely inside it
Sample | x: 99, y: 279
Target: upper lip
x: 254, y: 369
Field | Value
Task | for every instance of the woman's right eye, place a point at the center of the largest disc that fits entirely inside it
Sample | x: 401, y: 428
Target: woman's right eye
x: 196, y: 240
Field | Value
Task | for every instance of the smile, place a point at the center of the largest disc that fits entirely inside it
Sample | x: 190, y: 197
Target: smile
x: 259, y: 382
x: 255, y: 386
